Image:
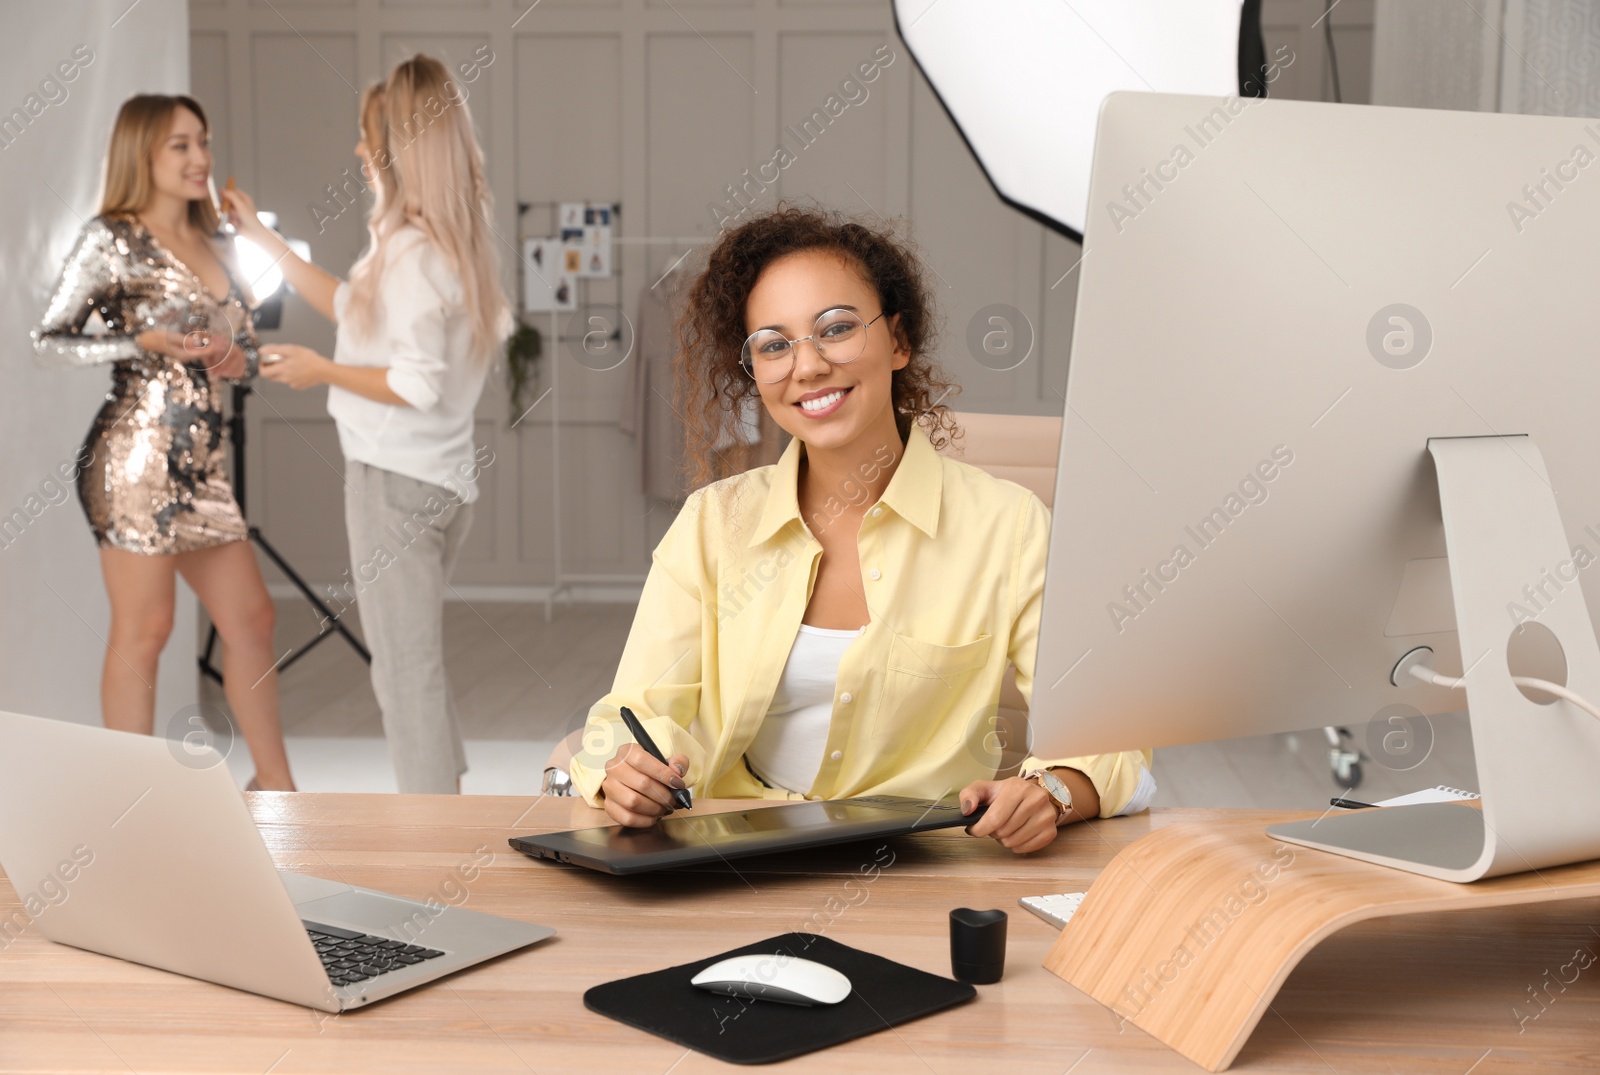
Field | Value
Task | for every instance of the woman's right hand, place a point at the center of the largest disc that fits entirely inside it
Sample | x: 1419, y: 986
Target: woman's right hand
x: 241, y: 210
x: 637, y: 790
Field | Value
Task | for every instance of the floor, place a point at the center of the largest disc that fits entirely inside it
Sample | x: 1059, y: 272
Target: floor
x: 522, y: 684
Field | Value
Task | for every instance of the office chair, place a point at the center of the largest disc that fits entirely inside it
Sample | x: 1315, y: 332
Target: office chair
x: 1021, y: 448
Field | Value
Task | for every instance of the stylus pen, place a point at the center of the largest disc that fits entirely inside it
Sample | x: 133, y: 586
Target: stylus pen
x: 642, y: 737
x: 1351, y: 804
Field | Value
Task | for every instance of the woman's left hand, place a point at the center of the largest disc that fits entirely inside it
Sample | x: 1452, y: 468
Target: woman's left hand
x: 298, y: 367
x: 232, y: 366
x: 1021, y: 815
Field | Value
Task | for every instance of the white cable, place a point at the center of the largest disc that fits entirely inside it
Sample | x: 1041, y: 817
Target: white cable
x: 1428, y: 675
x: 1559, y: 691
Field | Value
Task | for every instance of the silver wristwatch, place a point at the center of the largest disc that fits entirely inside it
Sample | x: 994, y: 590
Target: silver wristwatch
x: 1058, y: 791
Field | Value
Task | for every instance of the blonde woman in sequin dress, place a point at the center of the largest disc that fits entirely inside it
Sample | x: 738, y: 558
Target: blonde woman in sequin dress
x: 174, y: 323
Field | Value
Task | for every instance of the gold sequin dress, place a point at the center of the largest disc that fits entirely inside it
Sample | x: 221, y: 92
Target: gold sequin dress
x: 155, y: 480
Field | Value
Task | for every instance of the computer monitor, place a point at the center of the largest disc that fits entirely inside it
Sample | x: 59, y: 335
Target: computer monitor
x: 1298, y: 325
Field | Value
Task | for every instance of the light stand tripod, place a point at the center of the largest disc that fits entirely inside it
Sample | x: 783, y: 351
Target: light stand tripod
x: 330, y: 619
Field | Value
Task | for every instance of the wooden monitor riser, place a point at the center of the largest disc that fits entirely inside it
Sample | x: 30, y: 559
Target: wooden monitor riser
x: 1190, y: 931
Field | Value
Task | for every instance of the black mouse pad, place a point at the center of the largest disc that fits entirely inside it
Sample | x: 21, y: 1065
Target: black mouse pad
x: 883, y: 993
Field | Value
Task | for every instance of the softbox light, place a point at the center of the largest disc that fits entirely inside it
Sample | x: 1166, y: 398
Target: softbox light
x: 1023, y: 79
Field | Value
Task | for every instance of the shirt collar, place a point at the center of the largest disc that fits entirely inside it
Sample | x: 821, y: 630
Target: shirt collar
x: 913, y: 493
x: 917, y: 485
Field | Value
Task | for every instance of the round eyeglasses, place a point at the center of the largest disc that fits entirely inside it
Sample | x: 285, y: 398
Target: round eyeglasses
x: 839, y: 337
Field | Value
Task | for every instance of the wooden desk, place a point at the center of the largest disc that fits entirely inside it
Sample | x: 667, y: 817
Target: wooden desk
x: 1424, y: 993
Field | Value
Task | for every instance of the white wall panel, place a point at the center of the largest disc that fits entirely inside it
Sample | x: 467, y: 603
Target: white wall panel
x: 833, y: 121
x: 701, y: 106
x: 208, y: 84
x: 972, y: 244
x: 305, y: 90
x: 1306, y: 74
x: 536, y: 548
x: 564, y: 151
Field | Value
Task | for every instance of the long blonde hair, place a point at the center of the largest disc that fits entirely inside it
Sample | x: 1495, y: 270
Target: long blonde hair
x: 141, y: 126
x: 429, y: 173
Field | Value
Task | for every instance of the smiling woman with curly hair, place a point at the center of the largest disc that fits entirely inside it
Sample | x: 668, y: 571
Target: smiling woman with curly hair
x: 838, y: 623
x: 712, y: 383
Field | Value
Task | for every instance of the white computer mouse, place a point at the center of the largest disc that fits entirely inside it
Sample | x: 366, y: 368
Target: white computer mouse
x: 782, y: 978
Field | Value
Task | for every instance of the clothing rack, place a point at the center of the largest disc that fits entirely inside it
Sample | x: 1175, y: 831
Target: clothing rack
x: 564, y: 581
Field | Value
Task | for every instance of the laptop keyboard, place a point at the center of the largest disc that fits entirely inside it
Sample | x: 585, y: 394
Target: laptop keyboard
x: 350, y: 957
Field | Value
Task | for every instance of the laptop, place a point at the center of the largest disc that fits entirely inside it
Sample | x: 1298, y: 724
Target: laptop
x: 683, y: 839
x: 142, y: 848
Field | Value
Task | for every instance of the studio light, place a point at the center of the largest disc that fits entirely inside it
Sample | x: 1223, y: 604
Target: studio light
x: 1023, y: 79
x: 263, y: 275
x: 260, y: 269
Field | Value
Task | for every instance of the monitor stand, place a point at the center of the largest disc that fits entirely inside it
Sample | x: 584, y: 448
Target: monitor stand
x: 1191, y: 930
x: 1536, y: 761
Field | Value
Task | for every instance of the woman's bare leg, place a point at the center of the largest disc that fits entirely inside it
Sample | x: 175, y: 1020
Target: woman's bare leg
x: 141, y: 591
x: 229, y: 585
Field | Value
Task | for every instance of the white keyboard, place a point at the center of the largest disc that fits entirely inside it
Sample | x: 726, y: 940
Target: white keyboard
x: 1056, y: 910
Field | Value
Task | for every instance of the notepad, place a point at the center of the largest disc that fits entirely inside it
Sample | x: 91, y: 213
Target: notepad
x: 1440, y: 794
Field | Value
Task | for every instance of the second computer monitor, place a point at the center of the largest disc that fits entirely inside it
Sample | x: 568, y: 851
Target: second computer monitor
x: 1281, y: 304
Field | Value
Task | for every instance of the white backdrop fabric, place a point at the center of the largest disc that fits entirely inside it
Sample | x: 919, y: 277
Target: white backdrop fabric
x: 65, y: 68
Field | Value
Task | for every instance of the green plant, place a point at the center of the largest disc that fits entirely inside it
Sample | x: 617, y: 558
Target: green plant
x: 522, y: 365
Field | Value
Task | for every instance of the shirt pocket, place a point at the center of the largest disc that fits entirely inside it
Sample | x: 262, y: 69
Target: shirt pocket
x: 924, y: 683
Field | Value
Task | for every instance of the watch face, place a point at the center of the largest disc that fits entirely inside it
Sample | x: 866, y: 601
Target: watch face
x: 1056, y: 788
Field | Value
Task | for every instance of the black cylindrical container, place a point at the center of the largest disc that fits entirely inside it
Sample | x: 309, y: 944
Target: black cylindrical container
x: 977, y: 945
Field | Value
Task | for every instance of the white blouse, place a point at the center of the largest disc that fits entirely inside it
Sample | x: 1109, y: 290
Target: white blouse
x: 787, y: 750
x: 423, y: 336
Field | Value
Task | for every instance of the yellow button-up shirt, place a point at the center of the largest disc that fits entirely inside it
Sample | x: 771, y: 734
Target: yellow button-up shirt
x: 952, y: 566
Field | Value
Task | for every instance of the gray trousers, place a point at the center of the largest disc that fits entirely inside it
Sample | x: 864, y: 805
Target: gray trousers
x: 405, y: 537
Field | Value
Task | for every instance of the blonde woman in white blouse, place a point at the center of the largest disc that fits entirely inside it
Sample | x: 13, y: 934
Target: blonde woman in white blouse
x: 419, y: 323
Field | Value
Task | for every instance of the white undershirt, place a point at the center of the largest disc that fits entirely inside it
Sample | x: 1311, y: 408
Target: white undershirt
x: 788, y: 747
x: 1142, y: 794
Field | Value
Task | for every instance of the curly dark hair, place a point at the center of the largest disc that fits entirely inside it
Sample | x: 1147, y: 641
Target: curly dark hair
x: 711, y: 328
